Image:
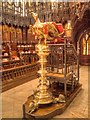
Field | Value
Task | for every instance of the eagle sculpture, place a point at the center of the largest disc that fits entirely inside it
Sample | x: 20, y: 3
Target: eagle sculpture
x: 46, y: 30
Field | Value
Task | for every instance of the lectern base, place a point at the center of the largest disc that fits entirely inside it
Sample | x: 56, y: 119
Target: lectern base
x: 49, y: 110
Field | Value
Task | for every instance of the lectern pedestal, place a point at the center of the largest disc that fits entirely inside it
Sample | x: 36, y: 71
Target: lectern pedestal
x: 48, y: 110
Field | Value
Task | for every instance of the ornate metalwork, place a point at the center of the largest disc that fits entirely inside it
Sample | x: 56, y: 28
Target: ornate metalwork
x: 42, y: 95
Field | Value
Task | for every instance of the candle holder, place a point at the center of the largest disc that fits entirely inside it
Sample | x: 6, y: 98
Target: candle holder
x: 43, y: 96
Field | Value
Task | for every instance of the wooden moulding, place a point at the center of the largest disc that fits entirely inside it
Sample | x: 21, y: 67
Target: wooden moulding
x: 50, y: 110
x: 18, y: 75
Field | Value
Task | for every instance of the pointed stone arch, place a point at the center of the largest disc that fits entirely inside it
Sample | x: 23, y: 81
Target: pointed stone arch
x: 81, y: 24
x: 80, y: 27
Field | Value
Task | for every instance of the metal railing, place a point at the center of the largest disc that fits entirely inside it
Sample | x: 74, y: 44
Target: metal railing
x: 63, y: 60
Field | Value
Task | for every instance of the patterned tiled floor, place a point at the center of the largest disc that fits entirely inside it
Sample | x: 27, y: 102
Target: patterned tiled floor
x: 13, y: 99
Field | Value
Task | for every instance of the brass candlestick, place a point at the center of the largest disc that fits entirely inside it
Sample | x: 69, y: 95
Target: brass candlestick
x: 43, y: 96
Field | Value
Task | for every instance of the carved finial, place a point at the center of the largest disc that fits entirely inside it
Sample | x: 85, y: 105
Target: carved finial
x: 35, y: 15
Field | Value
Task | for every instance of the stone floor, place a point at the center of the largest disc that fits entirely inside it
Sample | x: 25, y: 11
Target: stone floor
x: 13, y: 99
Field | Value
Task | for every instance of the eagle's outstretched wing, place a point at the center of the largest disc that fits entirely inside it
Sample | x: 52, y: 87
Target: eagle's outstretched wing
x: 50, y: 28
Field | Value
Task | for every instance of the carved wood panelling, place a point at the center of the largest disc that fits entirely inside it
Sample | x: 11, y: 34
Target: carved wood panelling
x: 6, y: 33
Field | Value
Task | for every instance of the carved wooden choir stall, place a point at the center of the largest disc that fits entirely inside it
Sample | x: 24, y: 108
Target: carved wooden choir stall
x: 18, y: 57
